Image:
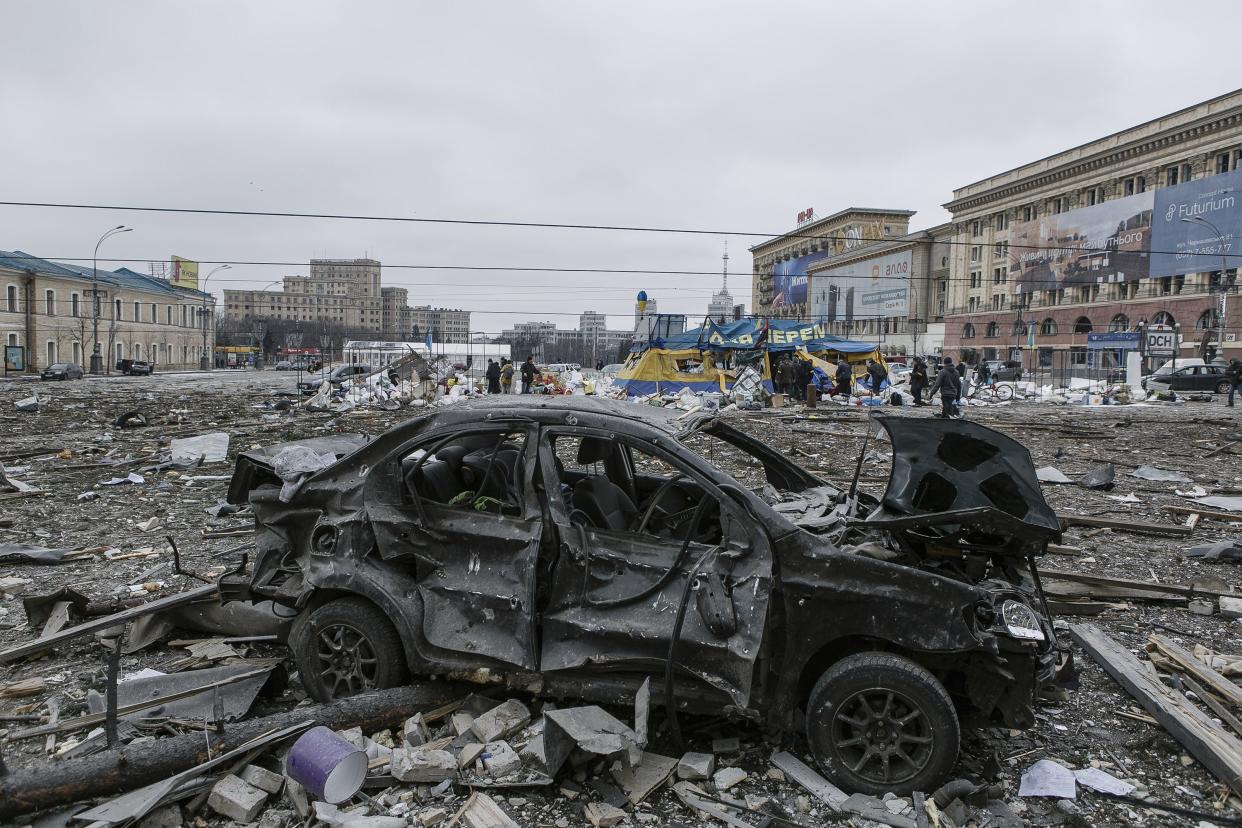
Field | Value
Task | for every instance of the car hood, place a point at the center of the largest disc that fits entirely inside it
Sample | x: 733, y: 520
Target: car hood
x: 964, y: 482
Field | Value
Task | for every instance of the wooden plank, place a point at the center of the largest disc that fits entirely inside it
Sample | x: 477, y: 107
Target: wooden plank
x: 1214, y: 705
x: 1218, y: 750
x: 1202, y: 673
x: 1123, y: 525
x: 1076, y: 607
x: 818, y: 786
x: 1130, y: 583
x: 1207, y: 514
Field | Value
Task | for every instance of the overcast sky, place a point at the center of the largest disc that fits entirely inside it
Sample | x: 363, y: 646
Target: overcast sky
x: 715, y: 115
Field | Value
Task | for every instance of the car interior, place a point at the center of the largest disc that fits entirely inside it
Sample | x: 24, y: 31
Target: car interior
x: 478, y: 471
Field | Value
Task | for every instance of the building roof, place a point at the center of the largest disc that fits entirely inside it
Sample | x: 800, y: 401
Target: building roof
x: 809, y: 228
x: 122, y: 277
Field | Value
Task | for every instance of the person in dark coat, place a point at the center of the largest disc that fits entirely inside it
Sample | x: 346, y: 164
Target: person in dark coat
x: 949, y: 384
x: 493, y: 376
x: 785, y: 376
x: 918, y: 380
x: 844, y: 378
x: 1234, y: 374
x: 876, y: 374
x: 802, y: 378
x: 528, y: 374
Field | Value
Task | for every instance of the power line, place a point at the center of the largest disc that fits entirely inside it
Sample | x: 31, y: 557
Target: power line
x: 549, y: 225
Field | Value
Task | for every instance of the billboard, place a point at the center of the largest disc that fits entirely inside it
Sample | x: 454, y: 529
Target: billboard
x: 868, y: 289
x: 184, y: 273
x: 1106, y: 242
x: 1181, y: 240
x: 789, y: 279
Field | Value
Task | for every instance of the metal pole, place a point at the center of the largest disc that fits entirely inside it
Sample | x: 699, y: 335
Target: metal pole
x: 96, y: 356
x: 205, y: 364
x: 1220, y: 322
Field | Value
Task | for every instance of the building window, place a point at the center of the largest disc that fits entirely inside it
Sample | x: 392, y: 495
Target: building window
x: 1170, y: 177
x: 1060, y: 204
x: 1187, y: 173
x: 75, y: 304
x: 1082, y: 325
x: 1095, y: 195
x: 1048, y: 327
x: 116, y: 311
x: 998, y: 275
x: 1207, y: 320
x: 1163, y: 318
x: 993, y: 330
x: 968, y: 331
x: 137, y: 312
x: 10, y: 296
x: 1001, y: 221
x: 973, y: 304
x: 1000, y: 250
x: 976, y: 278
x: 1222, y: 163
x: 77, y: 353
x: 1140, y: 184
x: 51, y: 352
x: 976, y: 228
x: 1119, y: 323
x: 1028, y: 212
x: 976, y: 253
x: 1127, y: 187
x: 49, y: 300
x: 1019, y: 328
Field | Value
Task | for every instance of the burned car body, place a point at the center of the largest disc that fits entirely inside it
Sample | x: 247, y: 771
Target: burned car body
x: 576, y: 547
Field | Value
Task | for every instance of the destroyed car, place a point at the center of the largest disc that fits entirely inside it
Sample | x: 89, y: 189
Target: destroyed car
x: 335, y: 377
x: 574, y: 547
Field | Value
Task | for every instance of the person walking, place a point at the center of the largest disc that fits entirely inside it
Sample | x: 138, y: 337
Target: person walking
x: 1234, y: 374
x: 844, y: 378
x: 493, y: 377
x: 983, y: 373
x: 918, y: 380
x: 506, y: 376
x: 528, y: 374
x: 948, y: 383
x: 876, y: 374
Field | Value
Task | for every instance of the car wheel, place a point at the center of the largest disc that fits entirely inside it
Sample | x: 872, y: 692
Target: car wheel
x: 1222, y: 388
x: 878, y: 722
x: 345, y: 647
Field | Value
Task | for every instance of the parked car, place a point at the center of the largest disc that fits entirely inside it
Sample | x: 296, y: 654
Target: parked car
x: 1200, y: 377
x: 525, y: 541
x: 62, y: 371
x: 613, y: 369
x: 285, y: 365
x: 134, y: 367
x: 1005, y: 370
x: 336, y: 376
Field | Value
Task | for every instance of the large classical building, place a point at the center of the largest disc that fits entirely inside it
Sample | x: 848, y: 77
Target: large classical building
x: 1123, y: 232
x: 347, y: 293
x: 47, y: 315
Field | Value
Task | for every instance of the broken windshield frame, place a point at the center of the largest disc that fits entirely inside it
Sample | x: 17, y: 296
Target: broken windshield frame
x: 779, y: 471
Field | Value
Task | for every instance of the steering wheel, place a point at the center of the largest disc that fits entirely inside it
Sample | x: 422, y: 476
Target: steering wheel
x: 656, y: 498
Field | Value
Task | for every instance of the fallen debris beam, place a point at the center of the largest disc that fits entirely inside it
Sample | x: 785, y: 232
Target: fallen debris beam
x: 1218, y: 750
x: 1128, y: 583
x: 44, y: 784
x: 106, y: 621
x: 1123, y: 525
x: 1199, y: 671
x: 1209, y: 514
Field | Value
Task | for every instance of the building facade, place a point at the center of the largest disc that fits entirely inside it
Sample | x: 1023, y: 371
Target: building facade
x: 779, y: 279
x: 48, y: 312
x: 892, y: 292
x: 348, y: 293
x: 1120, y: 233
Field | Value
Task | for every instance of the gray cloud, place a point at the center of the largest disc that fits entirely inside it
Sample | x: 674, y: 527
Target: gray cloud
x: 691, y: 114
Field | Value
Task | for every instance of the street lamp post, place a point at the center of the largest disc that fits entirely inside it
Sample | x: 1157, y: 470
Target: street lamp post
x: 205, y: 364
x: 96, y: 356
x: 1220, y: 322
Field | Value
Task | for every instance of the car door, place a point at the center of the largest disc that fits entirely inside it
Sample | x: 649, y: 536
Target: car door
x: 615, y: 593
x: 473, y: 551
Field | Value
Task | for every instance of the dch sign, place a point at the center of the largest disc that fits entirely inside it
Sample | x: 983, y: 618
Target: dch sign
x: 1160, y: 342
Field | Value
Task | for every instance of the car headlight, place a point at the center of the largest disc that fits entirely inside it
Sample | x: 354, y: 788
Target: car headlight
x: 1021, y: 621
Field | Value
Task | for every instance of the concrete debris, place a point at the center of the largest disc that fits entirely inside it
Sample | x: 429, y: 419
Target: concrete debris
x: 262, y: 778
x: 726, y: 778
x: 205, y: 448
x: 603, y: 815
x: 499, y: 760
x: 501, y: 721
x: 1048, y: 474
x: 415, y: 731
x: 696, y: 767
x: 236, y: 799
x: 1161, y: 475
x: 425, y: 766
x: 28, y: 405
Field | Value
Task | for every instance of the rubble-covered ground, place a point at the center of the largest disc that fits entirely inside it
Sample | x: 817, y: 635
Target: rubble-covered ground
x: 70, y: 449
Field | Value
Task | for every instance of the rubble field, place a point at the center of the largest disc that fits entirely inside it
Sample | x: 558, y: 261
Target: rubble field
x: 95, y: 481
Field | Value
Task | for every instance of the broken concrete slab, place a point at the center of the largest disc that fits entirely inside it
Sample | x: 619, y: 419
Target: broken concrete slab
x: 262, y: 778
x: 603, y: 815
x: 639, y: 781
x: 500, y: 760
x: 236, y: 799
x: 421, y: 765
x: 205, y: 448
x: 501, y: 721
x: 696, y: 767
x: 415, y: 731
x: 481, y: 811
x: 726, y: 778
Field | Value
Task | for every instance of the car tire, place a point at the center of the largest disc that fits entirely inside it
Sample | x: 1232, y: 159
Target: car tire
x: 346, y: 647
x: 857, y: 747
x: 1222, y: 388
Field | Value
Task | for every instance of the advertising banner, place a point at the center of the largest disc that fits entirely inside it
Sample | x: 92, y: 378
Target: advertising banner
x: 1104, y: 243
x: 1124, y: 340
x: 1183, y: 240
x: 14, y: 358
x: 868, y: 289
x: 184, y: 273
x: 789, y: 279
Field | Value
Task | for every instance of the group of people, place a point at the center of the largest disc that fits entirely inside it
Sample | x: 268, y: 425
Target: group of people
x: 500, y: 375
x: 950, y: 383
x: 792, y: 376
